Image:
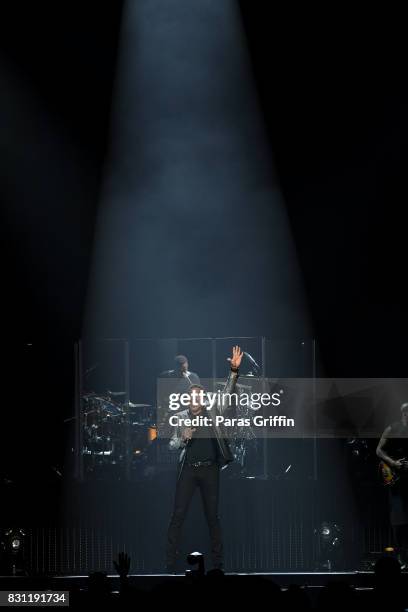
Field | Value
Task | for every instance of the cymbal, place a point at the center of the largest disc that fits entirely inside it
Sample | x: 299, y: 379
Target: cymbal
x: 132, y: 405
x: 116, y: 393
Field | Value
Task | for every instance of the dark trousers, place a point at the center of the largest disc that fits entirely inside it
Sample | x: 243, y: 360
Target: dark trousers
x: 206, y: 478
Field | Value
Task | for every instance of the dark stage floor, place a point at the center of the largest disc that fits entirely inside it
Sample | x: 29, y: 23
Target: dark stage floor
x: 149, y: 581
x: 311, y: 583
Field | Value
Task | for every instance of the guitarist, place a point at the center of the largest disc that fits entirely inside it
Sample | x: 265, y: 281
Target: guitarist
x: 392, y: 449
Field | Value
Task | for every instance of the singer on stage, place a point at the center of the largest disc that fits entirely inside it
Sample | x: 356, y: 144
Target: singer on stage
x: 203, y: 452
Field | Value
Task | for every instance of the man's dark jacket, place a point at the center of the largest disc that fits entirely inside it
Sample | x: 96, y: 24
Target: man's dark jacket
x: 224, y: 455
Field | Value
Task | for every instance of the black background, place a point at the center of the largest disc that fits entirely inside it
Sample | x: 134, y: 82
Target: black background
x: 333, y: 92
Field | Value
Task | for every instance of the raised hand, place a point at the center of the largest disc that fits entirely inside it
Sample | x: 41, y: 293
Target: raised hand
x: 236, y: 358
x: 122, y: 565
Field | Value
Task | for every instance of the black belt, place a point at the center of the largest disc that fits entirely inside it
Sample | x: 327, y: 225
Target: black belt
x: 196, y: 464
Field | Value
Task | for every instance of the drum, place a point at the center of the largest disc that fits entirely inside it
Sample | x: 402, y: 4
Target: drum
x: 103, y: 424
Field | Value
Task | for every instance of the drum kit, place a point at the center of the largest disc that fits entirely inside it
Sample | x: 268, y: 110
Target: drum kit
x: 114, y: 430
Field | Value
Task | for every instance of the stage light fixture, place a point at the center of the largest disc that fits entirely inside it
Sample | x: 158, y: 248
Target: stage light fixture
x: 196, y: 558
x: 12, y: 550
x: 329, y: 544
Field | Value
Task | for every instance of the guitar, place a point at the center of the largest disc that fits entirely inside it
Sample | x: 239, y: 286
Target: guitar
x: 391, y: 475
